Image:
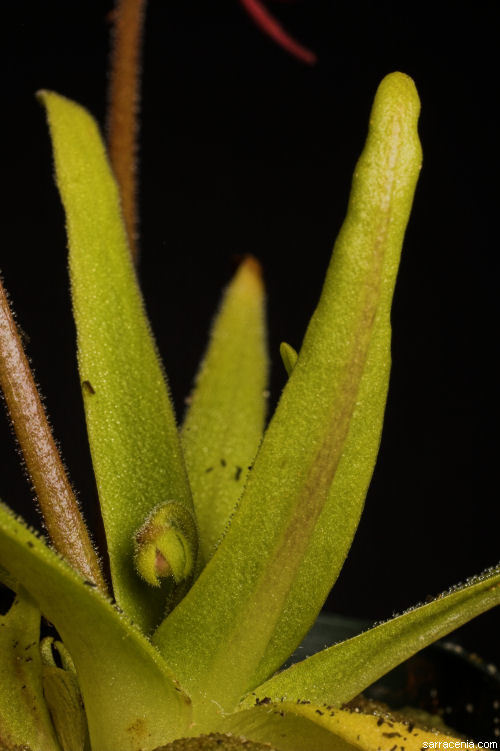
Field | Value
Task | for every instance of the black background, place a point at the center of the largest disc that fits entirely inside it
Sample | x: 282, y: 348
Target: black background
x: 245, y: 150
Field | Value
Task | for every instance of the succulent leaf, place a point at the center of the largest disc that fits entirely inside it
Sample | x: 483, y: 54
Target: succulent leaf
x: 132, y: 432
x: 225, y: 419
x: 292, y: 530
x: 63, y: 697
x: 305, y: 725
x: 131, y: 698
x: 336, y: 675
x: 24, y: 717
x: 64, y: 701
x: 7, y: 580
x: 216, y: 742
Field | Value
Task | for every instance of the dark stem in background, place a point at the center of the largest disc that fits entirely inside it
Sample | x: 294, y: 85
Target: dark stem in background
x: 270, y: 26
x: 61, y: 513
x: 123, y: 108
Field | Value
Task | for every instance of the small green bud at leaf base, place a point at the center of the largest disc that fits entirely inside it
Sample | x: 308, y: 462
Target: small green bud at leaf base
x: 166, y: 544
x: 289, y: 356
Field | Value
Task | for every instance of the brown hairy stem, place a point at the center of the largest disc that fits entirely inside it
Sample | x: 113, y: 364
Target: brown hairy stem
x: 123, y: 108
x: 59, y: 506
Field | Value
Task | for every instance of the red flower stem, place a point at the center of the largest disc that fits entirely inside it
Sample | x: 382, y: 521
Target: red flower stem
x: 123, y: 108
x: 275, y: 30
x: 62, y: 516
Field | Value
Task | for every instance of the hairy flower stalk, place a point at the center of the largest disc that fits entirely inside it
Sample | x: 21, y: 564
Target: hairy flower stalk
x: 123, y: 108
x: 58, y: 503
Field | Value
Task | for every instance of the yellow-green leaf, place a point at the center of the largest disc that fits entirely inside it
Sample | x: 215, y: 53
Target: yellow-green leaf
x: 63, y: 697
x: 132, y: 700
x: 288, y: 539
x: 216, y: 742
x: 24, y: 717
x: 301, y: 726
x: 338, y: 674
x: 132, y: 432
x: 225, y: 420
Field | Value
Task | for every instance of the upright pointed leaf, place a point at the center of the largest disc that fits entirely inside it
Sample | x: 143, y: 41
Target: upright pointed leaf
x: 24, y: 718
x: 261, y: 591
x: 225, y: 420
x: 338, y: 674
x: 131, y: 426
x: 131, y: 698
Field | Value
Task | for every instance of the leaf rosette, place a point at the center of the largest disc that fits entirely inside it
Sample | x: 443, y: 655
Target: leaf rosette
x: 224, y: 536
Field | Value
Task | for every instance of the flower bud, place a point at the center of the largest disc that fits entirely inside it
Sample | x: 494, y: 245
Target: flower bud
x: 166, y: 544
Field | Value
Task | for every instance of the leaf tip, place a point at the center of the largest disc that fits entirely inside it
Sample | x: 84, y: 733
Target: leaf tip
x: 249, y: 276
x: 396, y: 92
x: 289, y: 357
x: 46, y: 97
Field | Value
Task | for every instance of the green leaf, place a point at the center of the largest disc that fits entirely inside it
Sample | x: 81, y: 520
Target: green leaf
x: 63, y: 697
x: 216, y: 742
x: 225, y: 420
x: 64, y: 701
x: 131, y: 698
x: 289, y: 357
x: 7, y: 580
x: 24, y: 718
x: 132, y: 432
x: 339, y: 673
x: 287, y: 541
x: 305, y: 725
